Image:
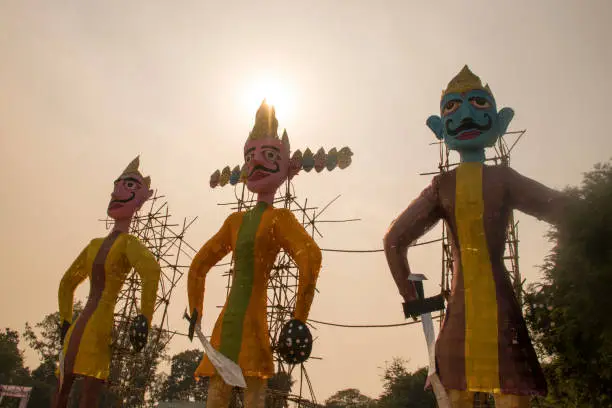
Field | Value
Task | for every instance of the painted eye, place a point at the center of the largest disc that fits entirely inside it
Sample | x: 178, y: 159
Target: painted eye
x: 480, y: 102
x: 270, y: 155
x: 130, y: 185
x: 450, y: 107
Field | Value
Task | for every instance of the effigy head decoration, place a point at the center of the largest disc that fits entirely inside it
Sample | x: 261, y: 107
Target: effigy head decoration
x: 469, y: 119
x: 267, y: 161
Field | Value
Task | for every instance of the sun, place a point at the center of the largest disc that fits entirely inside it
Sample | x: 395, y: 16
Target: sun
x: 275, y: 91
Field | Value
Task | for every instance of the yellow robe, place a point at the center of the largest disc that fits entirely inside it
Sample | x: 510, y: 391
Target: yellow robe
x: 93, y: 355
x: 278, y: 228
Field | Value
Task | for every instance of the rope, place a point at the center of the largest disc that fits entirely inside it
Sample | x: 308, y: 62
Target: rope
x: 377, y: 250
x: 351, y: 250
x: 367, y: 325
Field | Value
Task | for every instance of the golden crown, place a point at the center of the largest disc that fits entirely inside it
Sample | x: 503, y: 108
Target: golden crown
x: 465, y: 81
x: 266, y: 124
x: 132, y: 168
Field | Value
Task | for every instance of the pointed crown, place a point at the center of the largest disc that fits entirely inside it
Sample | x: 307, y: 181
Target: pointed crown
x: 132, y: 168
x: 465, y: 81
x: 266, y: 125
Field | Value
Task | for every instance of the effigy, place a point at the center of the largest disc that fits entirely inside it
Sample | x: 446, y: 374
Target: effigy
x: 106, y: 262
x: 255, y: 237
x: 483, y: 345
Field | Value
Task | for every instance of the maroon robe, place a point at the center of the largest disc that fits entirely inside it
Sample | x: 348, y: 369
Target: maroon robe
x: 503, y: 190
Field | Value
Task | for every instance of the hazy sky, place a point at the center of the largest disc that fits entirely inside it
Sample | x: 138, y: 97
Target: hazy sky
x: 86, y: 86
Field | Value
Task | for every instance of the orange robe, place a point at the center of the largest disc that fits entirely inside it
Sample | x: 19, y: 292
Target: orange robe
x: 255, y: 249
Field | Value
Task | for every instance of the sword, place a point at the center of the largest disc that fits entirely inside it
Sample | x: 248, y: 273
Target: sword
x: 61, y: 367
x: 229, y: 371
x: 425, y: 307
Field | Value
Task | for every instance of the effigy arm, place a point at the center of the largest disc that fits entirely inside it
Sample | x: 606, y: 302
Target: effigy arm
x: 72, y: 278
x: 535, y: 199
x: 212, y: 252
x: 146, y: 266
x: 305, y: 253
x: 420, y: 216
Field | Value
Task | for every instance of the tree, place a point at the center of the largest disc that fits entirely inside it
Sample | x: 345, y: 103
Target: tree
x: 132, y: 375
x: 180, y: 384
x: 12, y: 371
x: 44, y: 338
x: 279, y: 386
x: 404, y: 389
x: 47, y: 342
x: 350, y: 398
x: 568, y: 313
x: 44, y: 384
x: 137, y: 371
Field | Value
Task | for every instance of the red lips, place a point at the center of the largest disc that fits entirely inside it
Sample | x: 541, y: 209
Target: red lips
x: 470, y: 134
x: 258, y: 175
x: 113, y: 206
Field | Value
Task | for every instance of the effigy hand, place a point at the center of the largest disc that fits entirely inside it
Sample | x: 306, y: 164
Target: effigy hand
x: 63, y: 330
x: 411, y: 294
x: 193, y: 319
x: 139, y: 333
x: 409, y: 291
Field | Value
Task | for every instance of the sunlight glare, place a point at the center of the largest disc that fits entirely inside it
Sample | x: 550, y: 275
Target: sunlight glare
x: 275, y: 93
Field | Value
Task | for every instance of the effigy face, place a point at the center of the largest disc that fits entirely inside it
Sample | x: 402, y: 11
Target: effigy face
x: 130, y: 192
x: 266, y: 164
x: 469, y: 119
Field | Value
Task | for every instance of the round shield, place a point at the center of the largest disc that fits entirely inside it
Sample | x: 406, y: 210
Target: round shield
x: 139, y: 332
x: 295, y: 342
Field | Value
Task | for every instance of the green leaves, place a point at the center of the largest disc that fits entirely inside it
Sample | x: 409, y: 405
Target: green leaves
x: 568, y: 313
x: 350, y: 397
x: 404, y: 389
x: 180, y: 384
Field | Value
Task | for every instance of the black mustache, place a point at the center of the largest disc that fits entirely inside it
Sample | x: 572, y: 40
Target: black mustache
x: 263, y: 168
x: 467, y: 125
x: 126, y: 200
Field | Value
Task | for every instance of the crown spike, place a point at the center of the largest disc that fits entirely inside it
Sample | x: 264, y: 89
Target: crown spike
x: 285, y: 139
x: 266, y: 124
x: 465, y: 81
x: 132, y: 168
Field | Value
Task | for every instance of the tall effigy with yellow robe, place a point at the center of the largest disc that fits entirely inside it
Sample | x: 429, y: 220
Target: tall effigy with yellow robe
x: 483, y: 345
x: 106, y: 262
